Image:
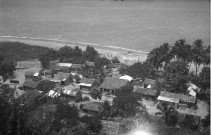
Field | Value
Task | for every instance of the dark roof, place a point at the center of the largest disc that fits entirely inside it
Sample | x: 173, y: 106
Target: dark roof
x: 113, y: 83
x: 60, y: 76
x: 30, y: 84
x: 145, y: 91
x: 88, y: 81
x: 92, y: 106
x: 76, y: 66
x: 150, y: 82
x: 181, y: 97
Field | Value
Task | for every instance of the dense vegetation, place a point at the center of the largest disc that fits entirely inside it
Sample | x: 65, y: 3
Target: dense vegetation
x: 15, y: 51
x: 42, y: 115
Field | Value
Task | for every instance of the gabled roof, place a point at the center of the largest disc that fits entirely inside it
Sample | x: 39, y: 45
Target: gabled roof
x: 32, y: 73
x: 92, y: 106
x: 181, y: 97
x: 30, y: 84
x: 60, y: 76
x: 113, y: 83
x: 145, y: 91
x: 126, y: 77
x: 150, y: 82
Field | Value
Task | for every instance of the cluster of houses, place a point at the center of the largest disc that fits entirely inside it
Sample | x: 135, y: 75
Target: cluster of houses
x: 67, y: 74
x: 70, y: 82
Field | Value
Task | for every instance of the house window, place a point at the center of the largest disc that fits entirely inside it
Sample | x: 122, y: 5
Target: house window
x: 101, y: 89
x: 112, y: 91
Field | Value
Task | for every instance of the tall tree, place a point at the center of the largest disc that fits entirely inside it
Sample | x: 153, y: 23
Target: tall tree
x: 90, y: 54
x: 48, y: 56
x: 197, y: 52
x: 46, y: 86
x: 65, y: 53
x: 176, y: 77
x: 96, y: 94
x: 165, y: 54
x: 139, y: 70
x: 154, y: 59
x: 127, y: 100
x: 181, y: 50
x: 206, y: 56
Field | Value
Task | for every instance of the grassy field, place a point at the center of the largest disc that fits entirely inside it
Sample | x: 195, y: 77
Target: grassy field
x: 134, y: 24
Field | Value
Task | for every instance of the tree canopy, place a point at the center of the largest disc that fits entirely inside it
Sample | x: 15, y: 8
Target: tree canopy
x: 127, y: 100
x: 176, y: 77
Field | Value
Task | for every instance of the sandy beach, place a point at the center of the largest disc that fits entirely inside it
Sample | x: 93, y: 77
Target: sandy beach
x: 125, y: 56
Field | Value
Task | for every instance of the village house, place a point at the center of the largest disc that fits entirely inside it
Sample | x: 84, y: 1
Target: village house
x: 55, y: 67
x: 30, y: 85
x: 62, y: 79
x: 110, y: 85
x: 92, y: 108
x: 76, y: 68
x: 34, y: 75
x: 177, y: 100
x: 149, y: 83
x: 88, y: 84
x: 146, y: 93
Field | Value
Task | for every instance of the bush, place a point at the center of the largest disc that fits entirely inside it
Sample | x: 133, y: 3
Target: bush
x: 86, y: 98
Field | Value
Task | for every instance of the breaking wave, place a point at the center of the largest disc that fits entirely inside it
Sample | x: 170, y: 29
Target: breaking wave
x: 72, y: 42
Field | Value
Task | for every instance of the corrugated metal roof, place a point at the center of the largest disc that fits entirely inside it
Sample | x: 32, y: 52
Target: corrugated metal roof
x: 181, y: 97
x: 173, y: 100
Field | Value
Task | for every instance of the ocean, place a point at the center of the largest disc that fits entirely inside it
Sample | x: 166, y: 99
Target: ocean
x: 138, y: 25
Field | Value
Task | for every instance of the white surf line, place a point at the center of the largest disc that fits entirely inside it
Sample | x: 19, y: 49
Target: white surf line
x: 71, y: 42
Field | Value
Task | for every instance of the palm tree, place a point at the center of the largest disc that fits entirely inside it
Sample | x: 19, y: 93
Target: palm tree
x: 197, y: 53
x: 206, y: 56
x: 180, y: 49
x: 165, y: 53
x: 154, y: 59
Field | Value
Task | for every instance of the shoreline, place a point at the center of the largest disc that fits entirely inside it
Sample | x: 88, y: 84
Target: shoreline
x: 125, y: 55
